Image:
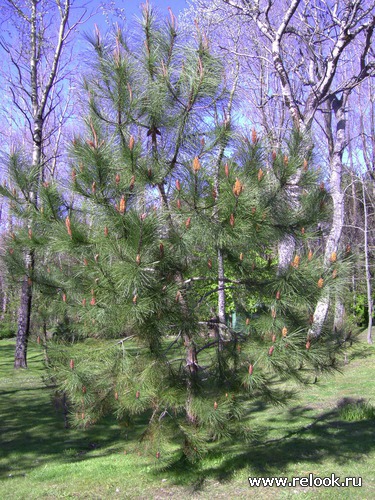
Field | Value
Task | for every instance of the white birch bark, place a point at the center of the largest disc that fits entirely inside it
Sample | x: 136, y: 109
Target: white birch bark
x: 337, y: 196
x: 351, y: 20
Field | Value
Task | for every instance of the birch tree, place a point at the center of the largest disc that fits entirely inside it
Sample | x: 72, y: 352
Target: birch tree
x: 309, y: 45
x: 368, y: 142
x: 366, y: 231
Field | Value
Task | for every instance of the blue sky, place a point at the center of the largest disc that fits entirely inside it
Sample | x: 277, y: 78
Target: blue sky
x: 132, y: 7
x: 128, y: 8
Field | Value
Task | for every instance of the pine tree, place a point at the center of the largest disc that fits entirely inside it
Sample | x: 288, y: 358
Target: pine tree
x: 174, y: 227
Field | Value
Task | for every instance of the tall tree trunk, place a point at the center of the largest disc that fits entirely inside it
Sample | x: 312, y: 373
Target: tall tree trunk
x: 5, y: 284
x: 4, y: 304
x: 337, y: 196
x: 24, y: 315
x: 36, y: 79
x: 221, y: 299
x: 368, y: 150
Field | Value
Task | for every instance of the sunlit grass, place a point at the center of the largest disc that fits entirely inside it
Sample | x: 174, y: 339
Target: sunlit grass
x: 39, y: 458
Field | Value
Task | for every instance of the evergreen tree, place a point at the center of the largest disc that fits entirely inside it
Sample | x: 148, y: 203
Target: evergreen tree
x: 168, y: 251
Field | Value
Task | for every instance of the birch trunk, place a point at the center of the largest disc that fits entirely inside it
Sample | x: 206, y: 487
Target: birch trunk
x: 337, y: 196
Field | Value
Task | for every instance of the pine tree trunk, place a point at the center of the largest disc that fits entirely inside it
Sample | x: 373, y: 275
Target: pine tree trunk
x: 190, y: 357
x: 20, y: 360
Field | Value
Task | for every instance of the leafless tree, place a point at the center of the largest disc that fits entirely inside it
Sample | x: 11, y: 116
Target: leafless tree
x: 309, y: 44
x: 33, y: 41
x: 366, y: 231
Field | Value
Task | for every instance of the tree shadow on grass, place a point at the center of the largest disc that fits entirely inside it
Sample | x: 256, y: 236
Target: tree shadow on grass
x: 326, y: 438
x: 33, y: 433
x: 32, y: 430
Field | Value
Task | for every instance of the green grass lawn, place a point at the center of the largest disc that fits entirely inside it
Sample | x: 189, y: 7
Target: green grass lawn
x: 39, y: 458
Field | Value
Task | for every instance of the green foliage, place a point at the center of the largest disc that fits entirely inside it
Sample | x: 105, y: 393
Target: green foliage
x: 360, y: 309
x: 7, y: 330
x: 354, y: 411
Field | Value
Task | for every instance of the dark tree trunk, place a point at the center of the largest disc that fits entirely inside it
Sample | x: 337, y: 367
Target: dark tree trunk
x: 23, y: 324
x: 37, y: 83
